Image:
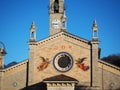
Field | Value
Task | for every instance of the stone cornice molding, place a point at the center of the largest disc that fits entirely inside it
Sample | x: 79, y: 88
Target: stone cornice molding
x: 63, y: 34
x: 108, y: 67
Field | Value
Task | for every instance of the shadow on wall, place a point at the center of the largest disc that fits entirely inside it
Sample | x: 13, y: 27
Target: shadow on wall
x: 42, y: 86
x: 38, y: 86
x: 90, y: 88
x: 82, y: 88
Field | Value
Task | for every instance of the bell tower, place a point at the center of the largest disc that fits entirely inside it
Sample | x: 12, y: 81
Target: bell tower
x: 32, y: 32
x: 32, y: 45
x: 57, y: 16
x: 95, y: 31
x: 95, y: 55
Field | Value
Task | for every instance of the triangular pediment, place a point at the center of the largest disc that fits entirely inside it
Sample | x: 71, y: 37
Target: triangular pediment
x: 62, y: 41
x: 60, y: 78
x: 64, y: 35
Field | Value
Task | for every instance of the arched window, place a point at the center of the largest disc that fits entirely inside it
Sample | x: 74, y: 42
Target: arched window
x: 56, y: 6
x: 32, y: 35
x: 95, y: 34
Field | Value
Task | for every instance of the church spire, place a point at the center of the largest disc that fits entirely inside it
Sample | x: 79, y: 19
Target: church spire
x: 63, y: 20
x: 95, y: 31
x: 33, y: 24
x: 33, y: 32
x: 95, y: 24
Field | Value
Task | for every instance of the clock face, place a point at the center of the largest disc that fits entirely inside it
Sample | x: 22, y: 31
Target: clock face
x: 56, y: 24
x: 63, y: 62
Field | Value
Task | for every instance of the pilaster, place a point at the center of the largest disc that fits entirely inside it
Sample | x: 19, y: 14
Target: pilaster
x: 94, y: 63
x: 1, y: 80
x: 32, y: 46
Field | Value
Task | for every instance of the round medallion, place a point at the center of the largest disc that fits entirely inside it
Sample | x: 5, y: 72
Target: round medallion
x: 14, y: 84
x: 63, y: 62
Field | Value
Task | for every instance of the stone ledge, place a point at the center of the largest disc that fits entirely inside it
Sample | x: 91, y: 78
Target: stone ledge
x: 86, y: 88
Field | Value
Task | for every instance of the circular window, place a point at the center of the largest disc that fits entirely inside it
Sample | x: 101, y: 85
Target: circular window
x: 63, y: 61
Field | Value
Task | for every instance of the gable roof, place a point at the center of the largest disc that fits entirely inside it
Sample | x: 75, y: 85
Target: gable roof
x: 60, y: 78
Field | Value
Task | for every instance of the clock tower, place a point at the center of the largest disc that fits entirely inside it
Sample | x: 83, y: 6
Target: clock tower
x: 57, y: 16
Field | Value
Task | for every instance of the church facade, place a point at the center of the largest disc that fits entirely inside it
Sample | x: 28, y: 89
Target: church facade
x: 62, y: 61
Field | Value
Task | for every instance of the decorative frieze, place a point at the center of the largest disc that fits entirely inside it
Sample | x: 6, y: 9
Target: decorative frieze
x: 60, y: 84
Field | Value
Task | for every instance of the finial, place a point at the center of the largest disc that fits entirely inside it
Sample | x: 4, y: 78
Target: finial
x: 63, y: 18
x: 33, y: 24
x: 95, y: 31
x: 2, y: 49
x: 95, y: 26
x: 64, y: 14
x: 94, y: 23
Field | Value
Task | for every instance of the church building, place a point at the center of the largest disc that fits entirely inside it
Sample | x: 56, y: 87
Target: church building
x: 62, y: 61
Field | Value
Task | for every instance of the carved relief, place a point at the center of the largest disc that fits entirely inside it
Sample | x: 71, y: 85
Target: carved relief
x: 80, y: 63
x: 44, y: 64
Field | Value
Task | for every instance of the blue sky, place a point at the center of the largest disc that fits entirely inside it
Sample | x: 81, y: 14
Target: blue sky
x: 16, y: 17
